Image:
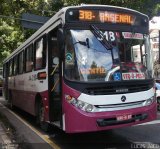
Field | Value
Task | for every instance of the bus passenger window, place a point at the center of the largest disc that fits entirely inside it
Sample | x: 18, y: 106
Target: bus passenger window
x: 29, y: 58
x: 20, y: 63
x: 4, y: 70
x: 10, y: 67
x: 15, y: 66
x: 40, y: 54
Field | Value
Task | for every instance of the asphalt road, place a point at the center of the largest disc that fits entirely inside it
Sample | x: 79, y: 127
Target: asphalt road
x: 140, y: 136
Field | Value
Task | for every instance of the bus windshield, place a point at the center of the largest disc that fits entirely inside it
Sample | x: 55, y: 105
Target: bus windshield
x: 120, y: 56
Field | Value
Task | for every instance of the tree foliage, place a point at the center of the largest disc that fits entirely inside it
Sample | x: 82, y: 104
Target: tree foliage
x: 12, y: 34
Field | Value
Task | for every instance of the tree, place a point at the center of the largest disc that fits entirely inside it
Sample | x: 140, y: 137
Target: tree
x: 12, y: 34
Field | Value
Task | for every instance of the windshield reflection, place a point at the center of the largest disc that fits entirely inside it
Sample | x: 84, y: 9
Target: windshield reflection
x: 87, y: 59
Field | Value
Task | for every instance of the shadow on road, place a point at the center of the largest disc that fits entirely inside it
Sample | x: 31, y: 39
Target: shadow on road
x: 95, y: 140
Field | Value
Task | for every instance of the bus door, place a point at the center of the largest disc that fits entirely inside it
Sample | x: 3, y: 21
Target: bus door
x: 55, y: 100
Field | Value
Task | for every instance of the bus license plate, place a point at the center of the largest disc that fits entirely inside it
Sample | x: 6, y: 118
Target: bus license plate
x: 124, y: 117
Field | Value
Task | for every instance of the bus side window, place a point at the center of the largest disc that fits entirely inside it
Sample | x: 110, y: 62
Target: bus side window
x: 10, y: 67
x: 40, y: 53
x: 20, y: 63
x: 29, y: 58
x: 15, y: 66
x: 4, y: 70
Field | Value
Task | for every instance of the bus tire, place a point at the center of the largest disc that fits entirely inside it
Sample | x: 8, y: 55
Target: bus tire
x: 40, y: 116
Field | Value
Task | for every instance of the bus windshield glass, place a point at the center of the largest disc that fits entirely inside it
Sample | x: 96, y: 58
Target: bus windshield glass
x: 101, y: 55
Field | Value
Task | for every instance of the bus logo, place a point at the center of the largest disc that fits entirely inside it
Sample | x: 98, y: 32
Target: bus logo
x: 123, y: 98
x: 121, y: 90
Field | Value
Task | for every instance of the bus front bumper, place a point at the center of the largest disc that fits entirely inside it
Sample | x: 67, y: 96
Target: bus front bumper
x: 77, y: 121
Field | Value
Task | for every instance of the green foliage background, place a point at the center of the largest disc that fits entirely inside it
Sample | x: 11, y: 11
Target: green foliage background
x: 12, y: 34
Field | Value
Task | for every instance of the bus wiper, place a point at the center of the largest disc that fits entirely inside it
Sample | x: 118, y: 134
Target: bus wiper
x: 84, y: 43
x: 101, y: 37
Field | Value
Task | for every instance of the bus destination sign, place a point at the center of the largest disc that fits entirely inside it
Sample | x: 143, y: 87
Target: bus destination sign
x: 101, y: 16
x: 106, y: 16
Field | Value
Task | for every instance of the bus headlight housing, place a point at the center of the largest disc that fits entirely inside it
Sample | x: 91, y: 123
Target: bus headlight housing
x: 80, y: 104
x: 89, y: 108
x: 149, y: 101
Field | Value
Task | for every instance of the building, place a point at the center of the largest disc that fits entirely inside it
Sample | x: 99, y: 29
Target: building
x: 154, y: 27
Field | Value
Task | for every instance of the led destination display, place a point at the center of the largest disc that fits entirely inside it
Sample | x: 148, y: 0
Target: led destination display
x: 106, y: 16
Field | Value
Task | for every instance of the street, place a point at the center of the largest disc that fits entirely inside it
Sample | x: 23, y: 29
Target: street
x: 77, y: 74
x: 140, y: 136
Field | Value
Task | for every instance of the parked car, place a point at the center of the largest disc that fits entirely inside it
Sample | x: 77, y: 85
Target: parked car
x: 158, y: 95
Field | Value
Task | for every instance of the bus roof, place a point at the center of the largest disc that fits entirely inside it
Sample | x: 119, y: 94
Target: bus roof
x: 60, y: 16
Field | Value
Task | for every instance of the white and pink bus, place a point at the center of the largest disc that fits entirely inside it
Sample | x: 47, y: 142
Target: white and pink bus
x: 81, y: 71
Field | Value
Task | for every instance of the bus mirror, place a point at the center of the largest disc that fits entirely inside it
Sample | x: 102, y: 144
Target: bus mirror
x: 60, y: 37
x: 55, y: 60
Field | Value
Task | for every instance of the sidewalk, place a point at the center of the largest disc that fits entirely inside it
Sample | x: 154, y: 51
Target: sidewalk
x: 5, y: 135
x: 5, y: 141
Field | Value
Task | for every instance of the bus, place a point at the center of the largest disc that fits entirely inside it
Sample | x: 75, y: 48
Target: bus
x: 80, y: 71
x: 154, y: 29
x: 1, y: 80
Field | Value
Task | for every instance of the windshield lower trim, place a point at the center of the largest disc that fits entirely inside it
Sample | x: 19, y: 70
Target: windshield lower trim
x: 107, y: 88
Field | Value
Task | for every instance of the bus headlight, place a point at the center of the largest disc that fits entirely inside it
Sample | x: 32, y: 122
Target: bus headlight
x: 89, y: 108
x: 80, y: 104
x: 149, y: 101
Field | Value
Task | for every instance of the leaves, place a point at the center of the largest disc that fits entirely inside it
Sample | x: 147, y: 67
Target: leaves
x: 12, y: 34
x: 11, y: 37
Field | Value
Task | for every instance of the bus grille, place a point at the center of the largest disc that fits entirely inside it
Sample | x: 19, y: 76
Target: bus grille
x: 118, y: 89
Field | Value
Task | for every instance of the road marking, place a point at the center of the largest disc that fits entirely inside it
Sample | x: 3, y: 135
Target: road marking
x: 44, y: 137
